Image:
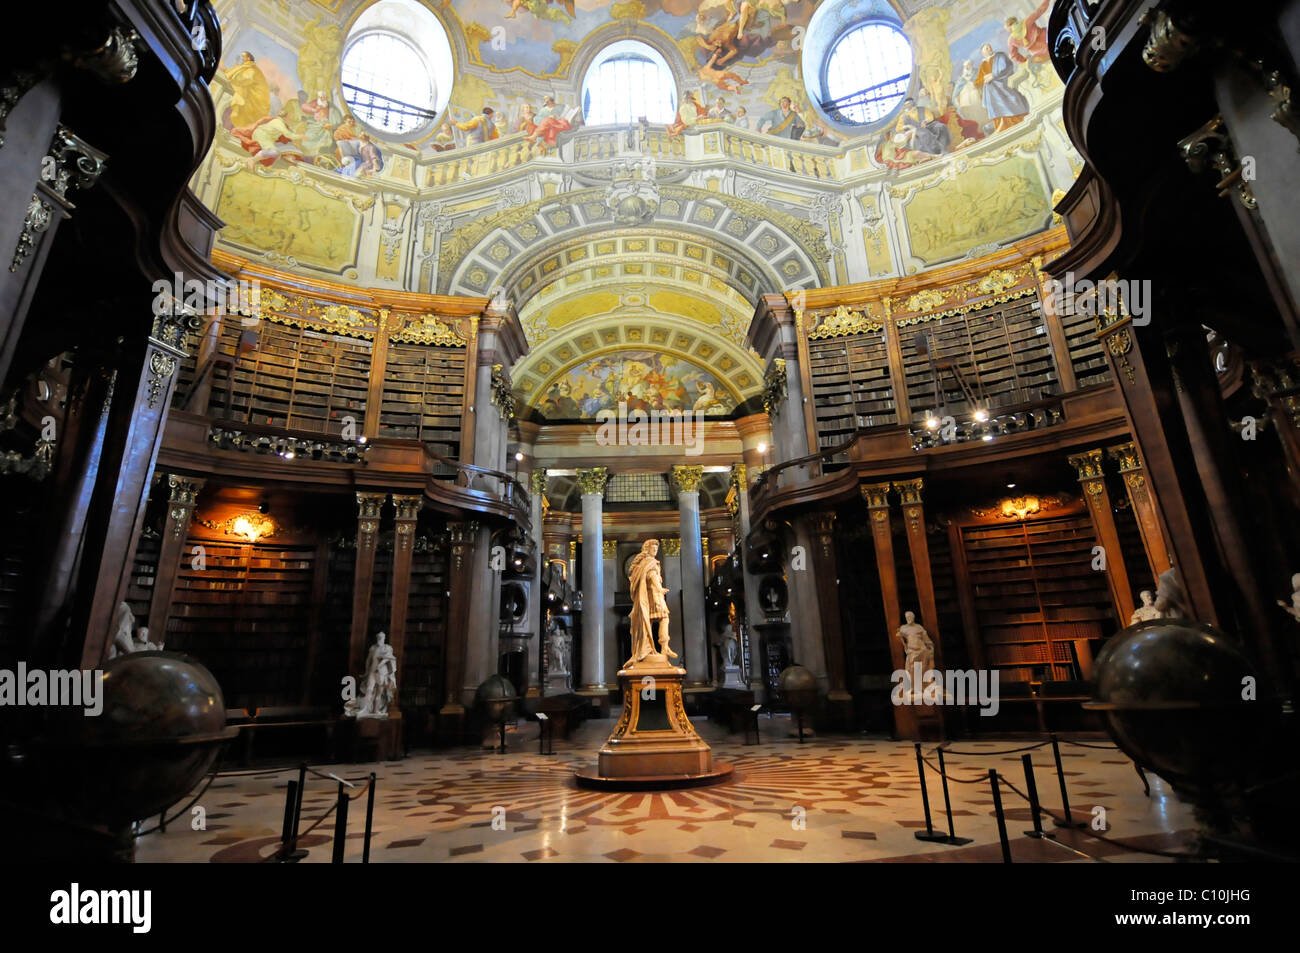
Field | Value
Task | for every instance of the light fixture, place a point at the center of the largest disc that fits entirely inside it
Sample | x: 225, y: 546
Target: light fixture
x: 251, y: 527
x: 1011, y: 485
x: 361, y: 440
x: 981, y: 415
x: 931, y: 422
x: 987, y: 438
x: 762, y: 448
x: 519, y: 456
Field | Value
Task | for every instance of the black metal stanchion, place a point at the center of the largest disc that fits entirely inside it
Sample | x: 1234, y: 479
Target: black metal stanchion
x: 1065, y: 797
x: 1032, y: 790
x: 286, y: 830
x: 1146, y: 785
x: 545, y: 734
x: 929, y: 834
x: 1002, y: 821
x: 751, y: 718
x: 340, y: 824
x: 162, y: 820
x: 370, y: 817
x: 800, y: 717
x: 947, y: 802
x: 502, y: 749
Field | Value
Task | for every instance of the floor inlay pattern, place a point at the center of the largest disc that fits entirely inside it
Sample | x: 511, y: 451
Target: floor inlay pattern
x: 830, y: 799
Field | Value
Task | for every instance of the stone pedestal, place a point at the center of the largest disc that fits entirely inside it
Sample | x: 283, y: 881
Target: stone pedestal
x: 731, y: 677
x: 654, y: 743
x: 558, y: 683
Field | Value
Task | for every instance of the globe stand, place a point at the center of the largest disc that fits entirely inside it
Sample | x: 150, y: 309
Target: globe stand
x: 654, y: 745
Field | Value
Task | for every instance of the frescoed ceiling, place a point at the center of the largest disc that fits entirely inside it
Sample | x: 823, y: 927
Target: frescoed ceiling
x: 609, y: 240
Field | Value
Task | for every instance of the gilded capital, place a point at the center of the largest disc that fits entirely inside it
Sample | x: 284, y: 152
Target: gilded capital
x: 1126, y: 455
x: 608, y: 548
x: 687, y: 479
x: 593, y: 481
x: 909, y: 491
x: 738, y: 477
x: 671, y: 546
x: 876, y: 495
x: 408, y: 507
x: 1088, y: 465
x: 774, y: 386
x: 183, y: 490
x: 537, y: 482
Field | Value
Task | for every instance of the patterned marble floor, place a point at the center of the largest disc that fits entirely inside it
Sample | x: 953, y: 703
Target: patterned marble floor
x: 830, y: 799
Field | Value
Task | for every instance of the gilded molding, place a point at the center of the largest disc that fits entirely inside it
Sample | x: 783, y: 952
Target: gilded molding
x: 1088, y: 465
x: 774, y: 386
x: 1126, y: 456
x: 537, y: 482
x: 608, y: 548
x: 501, y: 394
x: 68, y: 163
x: 909, y: 491
x: 842, y: 322
x: 1211, y: 146
x: 408, y: 506
x: 671, y: 546
x: 368, y: 507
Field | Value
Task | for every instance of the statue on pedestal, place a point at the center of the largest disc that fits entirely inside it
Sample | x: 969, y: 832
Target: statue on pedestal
x: 1293, y: 610
x: 378, y: 684
x: 918, y: 652
x: 648, y: 605
x: 1147, y: 610
x: 1171, y: 597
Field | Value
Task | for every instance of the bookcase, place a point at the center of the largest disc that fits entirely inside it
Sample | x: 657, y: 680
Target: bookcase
x: 426, y: 627
x: 851, y: 386
x: 246, y: 616
x: 297, y: 378
x: 423, y: 391
x: 1004, y: 351
x: 1086, y: 354
x: 1035, y: 595
x: 139, y: 588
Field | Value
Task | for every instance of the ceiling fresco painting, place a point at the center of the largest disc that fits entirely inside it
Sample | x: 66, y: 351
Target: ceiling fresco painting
x: 609, y: 237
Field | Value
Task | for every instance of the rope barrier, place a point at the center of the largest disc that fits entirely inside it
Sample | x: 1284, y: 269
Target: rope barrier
x: 1080, y: 744
x: 950, y: 777
x: 1109, y: 840
x: 991, y: 754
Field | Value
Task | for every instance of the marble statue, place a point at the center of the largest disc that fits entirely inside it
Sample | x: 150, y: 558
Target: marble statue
x: 378, y: 684
x: 918, y: 650
x: 1293, y: 610
x: 127, y: 638
x: 1147, y: 610
x: 557, y: 643
x: 1171, y: 598
x: 728, y: 645
x: 648, y: 604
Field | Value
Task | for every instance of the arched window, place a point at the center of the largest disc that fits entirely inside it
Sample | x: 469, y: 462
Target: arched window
x: 867, y: 73
x: 397, y: 69
x: 386, y: 84
x: 626, y: 82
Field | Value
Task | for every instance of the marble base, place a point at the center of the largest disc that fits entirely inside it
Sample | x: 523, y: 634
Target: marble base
x: 654, y: 744
x: 731, y: 677
x: 559, y: 683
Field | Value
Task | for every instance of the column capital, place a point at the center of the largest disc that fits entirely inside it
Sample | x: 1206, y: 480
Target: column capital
x: 739, y: 477
x: 876, y: 495
x: 774, y: 386
x: 593, y: 481
x: 1092, y: 476
x: 671, y: 546
x: 408, y: 506
x: 368, y: 507
x: 1126, y: 455
x: 184, y: 489
x: 909, y: 491
x: 687, y: 479
x: 608, y: 548
x: 822, y: 523
x: 537, y: 482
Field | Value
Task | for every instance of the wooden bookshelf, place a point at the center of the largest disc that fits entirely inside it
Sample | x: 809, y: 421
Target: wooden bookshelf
x: 426, y: 628
x: 424, y: 389
x: 1086, y: 354
x: 246, y: 616
x: 140, y: 587
x: 1036, y: 595
x: 296, y: 378
x: 1003, y: 351
x: 851, y: 386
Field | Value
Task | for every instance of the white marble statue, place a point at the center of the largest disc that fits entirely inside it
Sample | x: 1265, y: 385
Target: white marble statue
x: 728, y: 645
x: 1171, y: 597
x: 557, y: 645
x: 378, y: 684
x: 1293, y: 610
x: 918, y: 651
x: 1147, y: 610
x: 127, y: 638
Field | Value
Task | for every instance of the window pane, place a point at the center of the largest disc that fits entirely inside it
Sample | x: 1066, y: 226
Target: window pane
x: 386, y: 83
x: 627, y: 86
x: 868, y: 72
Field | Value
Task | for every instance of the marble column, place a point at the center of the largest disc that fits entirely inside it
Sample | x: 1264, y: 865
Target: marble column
x: 694, y: 634
x: 536, y: 598
x: 670, y: 557
x: 609, y: 572
x: 1144, y: 508
x: 594, y: 650
x: 751, y: 656
x: 463, y: 538
x: 876, y: 495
